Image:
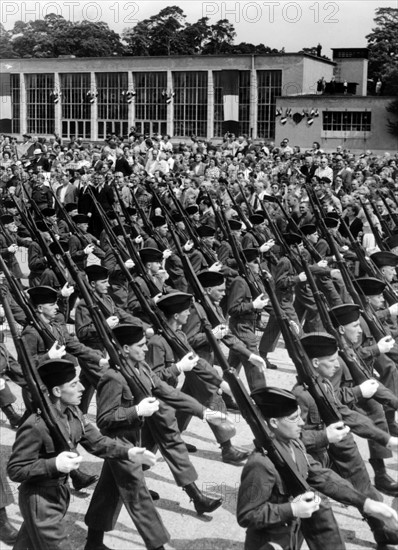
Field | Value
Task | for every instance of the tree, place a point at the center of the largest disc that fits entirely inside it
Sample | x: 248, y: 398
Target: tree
x: 222, y: 36
x: 383, y: 49
x: 6, y: 46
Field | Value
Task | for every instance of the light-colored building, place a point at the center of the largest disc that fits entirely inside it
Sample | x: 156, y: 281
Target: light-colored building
x: 263, y: 96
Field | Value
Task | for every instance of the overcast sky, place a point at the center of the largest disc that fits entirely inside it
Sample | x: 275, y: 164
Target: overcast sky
x: 289, y: 24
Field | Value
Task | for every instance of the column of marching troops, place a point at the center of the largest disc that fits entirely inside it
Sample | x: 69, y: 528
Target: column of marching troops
x: 139, y: 406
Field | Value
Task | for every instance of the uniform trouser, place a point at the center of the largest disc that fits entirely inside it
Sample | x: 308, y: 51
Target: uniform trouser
x: 386, y: 366
x: 6, y: 396
x: 161, y: 431
x: 375, y: 412
x: 123, y: 482
x: 255, y: 375
x: 270, y: 336
x: 43, y: 510
x: 222, y: 432
x: 312, y: 321
x: 6, y: 497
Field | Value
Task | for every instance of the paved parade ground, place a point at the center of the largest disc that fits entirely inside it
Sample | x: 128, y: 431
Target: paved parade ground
x: 219, y: 531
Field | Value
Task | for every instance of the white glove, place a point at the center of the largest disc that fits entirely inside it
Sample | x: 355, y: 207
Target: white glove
x: 67, y: 290
x: 267, y: 246
x: 337, y: 432
x: 258, y: 361
x: 383, y: 512
x: 56, y: 352
x: 386, y: 344
x: 66, y: 461
x: 209, y: 415
x: 369, y: 388
x: 188, y: 362
x: 322, y: 263
x: 147, y: 407
x: 220, y: 331
x: 167, y: 253
x: 335, y: 274
x: 260, y: 302
x: 138, y: 240
x: 302, y: 276
x: 13, y: 248
x: 112, y: 321
x: 104, y: 363
x: 129, y: 263
x: 2, y: 384
x: 393, y: 444
x: 394, y: 309
x: 217, y: 266
x: 140, y: 455
x: 89, y: 249
x: 188, y: 246
x: 303, y: 506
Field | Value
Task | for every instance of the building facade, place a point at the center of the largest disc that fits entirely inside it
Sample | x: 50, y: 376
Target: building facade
x: 298, y: 96
x: 179, y: 95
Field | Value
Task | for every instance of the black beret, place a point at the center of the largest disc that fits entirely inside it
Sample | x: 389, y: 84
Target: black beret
x: 42, y: 295
x: 256, y: 219
x: 81, y: 218
x: 382, y: 259
x: 176, y: 217
x: 392, y: 241
x: 344, y: 315
x: 131, y: 210
x: 370, y: 286
x: 308, y: 229
x: 128, y: 334
x: 175, y: 302
x: 251, y: 254
x: 325, y: 180
x: 191, y: 210
x: 56, y: 372
x: 8, y: 203
x: 111, y: 215
x: 210, y: 278
x: 158, y: 221
x: 235, y: 225
x: 150, y: 255
x: 206, y: 231
x: 54, y: 247
x: 275, y: 402
x: 292, y: 238
x: 334, y: 215
x: 96, y: 273
x: 319, y: 344
x: 6, y: 218
x: 48, y: 212
x: 331, y: 222
x: 70, y: 206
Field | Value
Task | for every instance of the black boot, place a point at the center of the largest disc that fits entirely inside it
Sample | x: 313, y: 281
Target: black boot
x: 95, y: 540
x: 8, y: 534
x: 202, y: 503
x: 13, y: 417
x: 232, y: 455
x: 191, y: 448
x: 383, y: 482
x: 80, y: 480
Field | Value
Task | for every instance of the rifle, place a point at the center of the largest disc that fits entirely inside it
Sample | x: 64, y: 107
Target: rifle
x: 39, y: 392
x: 196, y: 286
x: 148, y: 225
x: 242, y: 268
x: 327, y: 409
x: 383, y: 223
x: 239, y: 210
x: 393, y: 215
x: 209, y: 254
x: 283, y: 461
x: 248, y: 205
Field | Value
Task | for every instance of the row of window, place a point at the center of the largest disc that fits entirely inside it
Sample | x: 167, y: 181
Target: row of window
x: 112, y: 97
x: 189, y: 104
